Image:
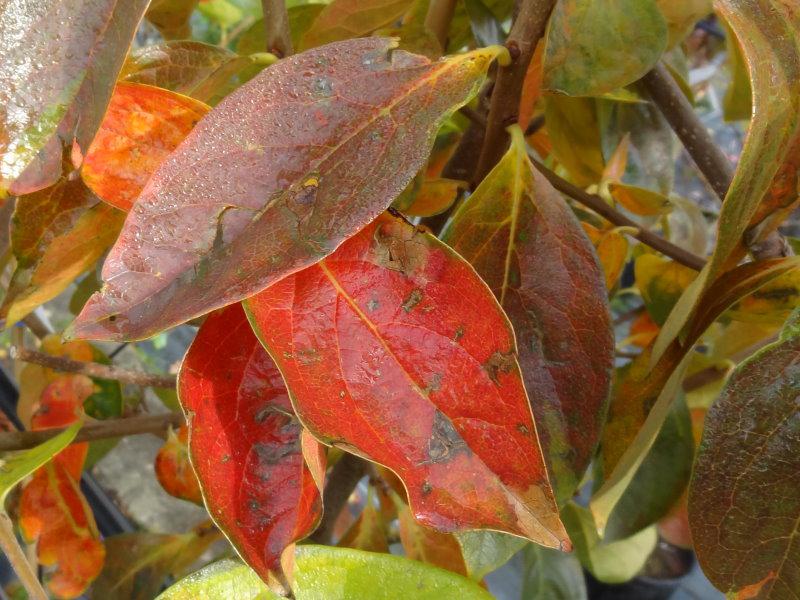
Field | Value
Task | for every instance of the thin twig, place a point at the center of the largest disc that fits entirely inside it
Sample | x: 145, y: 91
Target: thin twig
x: 525, y: 33
x: 474, y: 116
x: 99, y: 430
x: 18, y: 560
x: 598, y: 205
x: 343, y: 478
x: 709, y: 158
x: 37, y: 327
x: 276, y: 26
x: 61, y: 363
x: 437, y: 21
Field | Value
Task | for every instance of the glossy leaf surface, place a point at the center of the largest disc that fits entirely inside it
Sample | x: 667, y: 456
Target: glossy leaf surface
x: 596, y: 46
x: 56, y: 234
x: 55, y: 59
x: 223, y: 580
x: 244, y: 441
x: 142, y: 126
x: 173, y: 470
x: 397, y: 331
x: 344, y: 19
x: 322, y: 142
x: 324, y: 573
x: 744, y: 501
x: 524, y: 241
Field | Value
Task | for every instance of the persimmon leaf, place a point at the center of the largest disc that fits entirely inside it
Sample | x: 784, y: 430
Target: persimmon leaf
x: 487, y: 551
x: 548, y: 573
x: 223, y: 580
x: 55, y: 58
x: 142, y: 126
x: 524, y: 241
x: 171, y: 17
x: 56, y: 234
x: 294, y: 162
x: 369, y: 530
x: 344, y: 19
x: 344, y: 574
x: 54, y: 513
x: 244, y: 441
x: 659, y: 386
x: 138, y: 563
x: 15, y: 466
x: 744, y: 500
x: 173, y: 470
x: 596, y: 46
x: 396, y: 331
x: 428, y: 545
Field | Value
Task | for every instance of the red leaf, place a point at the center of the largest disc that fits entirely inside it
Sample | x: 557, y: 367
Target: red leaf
x: 394, y: 349
x: 245, y: 442
x: 274, y: 179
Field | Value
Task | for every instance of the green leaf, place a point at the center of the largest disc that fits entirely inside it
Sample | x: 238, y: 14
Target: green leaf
x: 325, y: 573
x: 485, y: 551
x: 596, y: 46
x: 659, y: 481
x: 744, y: 501
x: 614, y: 562
x: 14, y: 467
x: 549, y: 574
x: 223, y: 580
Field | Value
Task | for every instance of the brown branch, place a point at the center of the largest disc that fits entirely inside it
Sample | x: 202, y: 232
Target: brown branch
x: 99, y: 430
x: 343, y: 478
x: 598, y: 205
x: 276, y: 26
x: 61, y: 363
x: 527, y: 30
x: 709, y: 158
x: 437, y: 21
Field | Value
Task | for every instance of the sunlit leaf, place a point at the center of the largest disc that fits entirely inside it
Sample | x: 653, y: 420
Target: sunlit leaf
x: 524, y: 241
x: 614, y: 562
x: 552, y: 574
x: 348, y: 123
x: 324, y: 573
x: 55, y: 60
x: 681, y: 16
x: 138, y: 563
x: 397, y: 331
x: 737, y: 104
x: 54, y: 513
x: 244, y: 441
x: 596, y: 46
x: 430, y: 197
x: 345, y: 19
x: 56, y: 234
x: 487, y: 551
x: 223, y: 580
x: 173, y: 470
x: 661, y: 282
x: 142, y: 126
x: 15, y: 466
x: 744, y: 505
x: 770, y: 304
x: 612, y: 251
x: 531, y: 88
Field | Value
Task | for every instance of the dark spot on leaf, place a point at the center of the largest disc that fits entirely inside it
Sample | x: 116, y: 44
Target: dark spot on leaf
x: 522, y: 428
x: 445, y: 442
x: 273, y: 454
x: 459, y: 333
x: 426, y: 488
x: 414, y: 298
x: 498, y: 363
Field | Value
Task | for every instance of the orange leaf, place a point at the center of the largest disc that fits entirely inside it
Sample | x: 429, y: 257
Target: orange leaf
x: 143, y: 125
x: 173, y: 470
